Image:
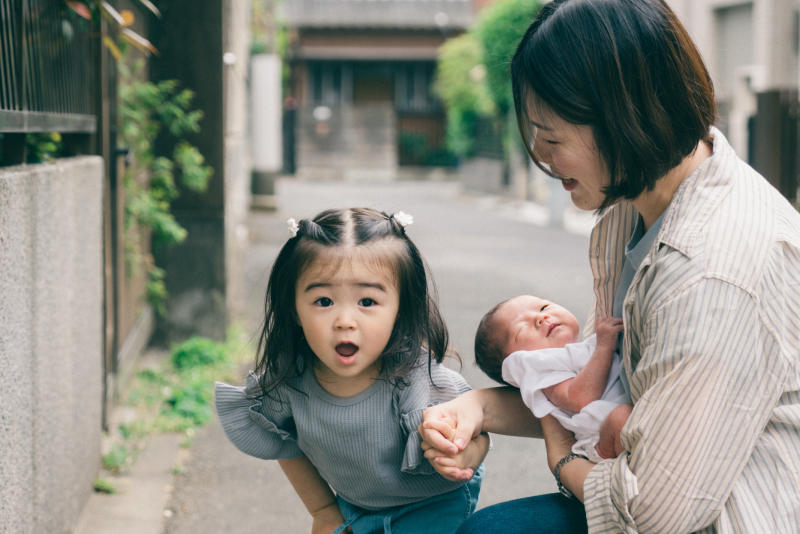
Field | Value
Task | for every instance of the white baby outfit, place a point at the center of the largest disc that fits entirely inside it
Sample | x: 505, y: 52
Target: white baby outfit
x: 534, y: 370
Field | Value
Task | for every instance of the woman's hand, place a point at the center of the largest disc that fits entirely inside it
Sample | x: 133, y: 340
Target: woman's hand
x: 450, y: 426
x: 462, y: 465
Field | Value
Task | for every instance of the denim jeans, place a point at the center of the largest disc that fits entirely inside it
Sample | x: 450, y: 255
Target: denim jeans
x: 533, y: 515
x: 441, y: 514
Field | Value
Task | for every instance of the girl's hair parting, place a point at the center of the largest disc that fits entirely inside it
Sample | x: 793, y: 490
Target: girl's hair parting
x: 419, y: 329
x: 630, y: 71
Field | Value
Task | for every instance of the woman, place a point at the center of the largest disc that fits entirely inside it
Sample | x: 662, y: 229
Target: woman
x: 697, y: 253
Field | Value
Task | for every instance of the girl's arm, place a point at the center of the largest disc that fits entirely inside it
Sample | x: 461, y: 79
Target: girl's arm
x: 588, y: 385
x: 315, y: 493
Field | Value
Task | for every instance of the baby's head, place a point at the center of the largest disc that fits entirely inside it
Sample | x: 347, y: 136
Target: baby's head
x: 524, y: 322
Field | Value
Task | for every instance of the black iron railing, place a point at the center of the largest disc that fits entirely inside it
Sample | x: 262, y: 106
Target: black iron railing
x: 48, y: 62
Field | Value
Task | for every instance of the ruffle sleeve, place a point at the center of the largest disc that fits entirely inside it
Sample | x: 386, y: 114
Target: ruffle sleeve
x: 251, y: 426
x: 411, y: 401
x: 533, y: 371
x: 414, y: 461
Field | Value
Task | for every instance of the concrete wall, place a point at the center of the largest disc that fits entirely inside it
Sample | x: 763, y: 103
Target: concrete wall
x: 51, y: 331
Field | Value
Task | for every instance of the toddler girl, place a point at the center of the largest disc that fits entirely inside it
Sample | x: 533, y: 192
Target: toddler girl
x: 349, y: 356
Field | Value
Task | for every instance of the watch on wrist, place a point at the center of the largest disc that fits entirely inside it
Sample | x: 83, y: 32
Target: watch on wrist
x: 557, y: 473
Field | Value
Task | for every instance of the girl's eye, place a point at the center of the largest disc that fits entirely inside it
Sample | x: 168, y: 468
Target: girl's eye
x: 367, y: 302
x: 323, y: 302
x: 544, y: 307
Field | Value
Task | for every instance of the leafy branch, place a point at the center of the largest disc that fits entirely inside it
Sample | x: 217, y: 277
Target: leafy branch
x: 146, y: 108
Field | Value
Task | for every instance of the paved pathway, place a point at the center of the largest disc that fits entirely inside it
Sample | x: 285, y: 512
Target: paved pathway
x: 479, y: 251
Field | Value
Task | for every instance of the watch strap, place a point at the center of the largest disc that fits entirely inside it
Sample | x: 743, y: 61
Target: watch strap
x: 557, y: 473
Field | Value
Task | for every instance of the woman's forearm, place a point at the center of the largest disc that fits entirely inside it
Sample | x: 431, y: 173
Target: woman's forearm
x: 505, y: 413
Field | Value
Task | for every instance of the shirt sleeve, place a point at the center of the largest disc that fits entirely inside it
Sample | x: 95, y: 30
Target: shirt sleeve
x: 256, y: 424
x: 422, y: 392
x: 705, y: 384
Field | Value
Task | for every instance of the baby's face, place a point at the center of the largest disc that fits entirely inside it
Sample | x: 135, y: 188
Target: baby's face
x: 530, y: 323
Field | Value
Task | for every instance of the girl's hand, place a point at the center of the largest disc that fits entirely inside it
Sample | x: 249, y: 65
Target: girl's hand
x: 327, y: 519
x: 463, y: 464
x: 460, y: 418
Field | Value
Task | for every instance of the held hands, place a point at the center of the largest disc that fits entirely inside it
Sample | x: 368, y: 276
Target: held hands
x: 462, y: 415
x: 458, y: 466
x: 607, y: 330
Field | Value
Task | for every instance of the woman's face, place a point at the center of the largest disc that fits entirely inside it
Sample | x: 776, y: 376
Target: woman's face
x: 571, y: 153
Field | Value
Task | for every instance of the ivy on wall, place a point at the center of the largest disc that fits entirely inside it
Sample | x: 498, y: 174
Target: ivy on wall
x: 148, y: 110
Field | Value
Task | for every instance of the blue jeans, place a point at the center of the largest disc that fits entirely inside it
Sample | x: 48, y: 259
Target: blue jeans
x: 441, y: 514
x: 539, y: 514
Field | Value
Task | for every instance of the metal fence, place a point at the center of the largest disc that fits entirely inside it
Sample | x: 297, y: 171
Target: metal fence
x: 48, y: 62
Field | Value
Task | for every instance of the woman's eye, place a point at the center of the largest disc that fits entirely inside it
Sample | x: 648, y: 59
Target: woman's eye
x: 550, y: 142
x: 323, y: 302
x: 367, y: 302
x: 544, y: 307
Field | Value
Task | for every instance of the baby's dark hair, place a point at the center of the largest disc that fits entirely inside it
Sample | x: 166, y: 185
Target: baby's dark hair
x: 419, y: 329
x: 489, y: 353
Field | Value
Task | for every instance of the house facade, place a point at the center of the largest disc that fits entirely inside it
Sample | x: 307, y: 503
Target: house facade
x: 751, y: 48
x: 361, y: 82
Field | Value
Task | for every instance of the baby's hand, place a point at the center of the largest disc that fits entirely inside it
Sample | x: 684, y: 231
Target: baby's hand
x: 608, y: 329
x: 609, y: 444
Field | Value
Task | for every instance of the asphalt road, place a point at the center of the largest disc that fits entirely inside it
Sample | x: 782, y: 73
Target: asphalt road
x: 479, y: 252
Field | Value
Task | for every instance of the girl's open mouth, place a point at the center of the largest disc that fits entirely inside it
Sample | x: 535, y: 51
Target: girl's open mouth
x: 569, y: 184
x: 346, y: 351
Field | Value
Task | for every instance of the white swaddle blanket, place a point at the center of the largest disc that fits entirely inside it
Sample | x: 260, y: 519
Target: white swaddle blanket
x: 534, y: 370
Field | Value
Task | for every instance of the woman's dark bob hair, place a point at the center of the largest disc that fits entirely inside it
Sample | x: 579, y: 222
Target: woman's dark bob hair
x: 628, y: 70
x: 334, y: 236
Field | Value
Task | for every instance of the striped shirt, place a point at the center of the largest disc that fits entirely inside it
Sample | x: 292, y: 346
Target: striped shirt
x: 712, y: 353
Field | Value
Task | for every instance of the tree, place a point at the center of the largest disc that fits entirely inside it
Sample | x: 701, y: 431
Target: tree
x: 461, y: 84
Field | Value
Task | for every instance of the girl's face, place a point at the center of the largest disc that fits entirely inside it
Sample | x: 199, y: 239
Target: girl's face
x: 347, y: 310
x: 571, y: 153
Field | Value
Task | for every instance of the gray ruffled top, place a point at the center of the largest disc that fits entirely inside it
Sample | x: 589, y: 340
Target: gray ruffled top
x: 366, y: 447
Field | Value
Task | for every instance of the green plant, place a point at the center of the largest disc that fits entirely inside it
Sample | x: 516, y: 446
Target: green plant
x: 499, y: 30
x: 120, y: 21
x: 461, y: 84
x: 197, y: 351
x: 117, y: 458
x: 103, y: 485
x: 42, y: 147
x: 149, y: 110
